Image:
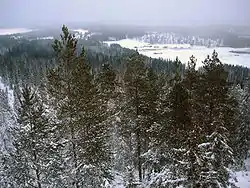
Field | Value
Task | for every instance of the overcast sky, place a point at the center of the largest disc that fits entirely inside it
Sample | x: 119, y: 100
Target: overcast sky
x: 143, y: 12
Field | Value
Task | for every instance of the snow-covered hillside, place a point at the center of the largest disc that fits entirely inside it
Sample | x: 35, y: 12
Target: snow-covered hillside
x: 185, y: 51
x: 84, y: 33
x: 173, y: 38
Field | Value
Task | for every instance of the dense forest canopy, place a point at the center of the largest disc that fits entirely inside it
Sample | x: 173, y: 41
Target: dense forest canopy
x: 85, y: 114
x: 27, y: 59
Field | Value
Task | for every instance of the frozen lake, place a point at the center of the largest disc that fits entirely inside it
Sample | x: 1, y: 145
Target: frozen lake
x: 185, y: 51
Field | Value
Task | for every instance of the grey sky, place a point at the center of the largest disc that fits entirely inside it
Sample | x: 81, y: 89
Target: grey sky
x: 144, y: 12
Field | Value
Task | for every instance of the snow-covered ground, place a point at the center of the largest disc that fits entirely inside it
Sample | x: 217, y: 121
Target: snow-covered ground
x: 118, y: 182
x: 11, y: 31
x: 185, y: 51
x: 243, y: 179
x: 240, y: 179
x: 45, y: 38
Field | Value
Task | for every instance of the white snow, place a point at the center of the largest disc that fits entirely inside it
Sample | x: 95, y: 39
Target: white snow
x: 241, y: 179
x: 10, y: 31
x: 118, y: 181
x: 81, y: 31
x: 46, y: 38
x: 185, y: 51
x: 16, y: 37
x: 204, y: 145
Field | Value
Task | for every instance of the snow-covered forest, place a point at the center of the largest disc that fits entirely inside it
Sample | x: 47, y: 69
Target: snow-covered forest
x: 85, y: 120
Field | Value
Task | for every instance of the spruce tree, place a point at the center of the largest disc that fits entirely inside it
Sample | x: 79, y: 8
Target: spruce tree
x: 179, y: 125
x: 217, y: 125
x: 241, y: 137
x: 167, y: 156
x: 194, y: 136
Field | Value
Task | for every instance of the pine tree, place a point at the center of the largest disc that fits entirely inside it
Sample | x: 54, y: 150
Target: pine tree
x: 139, y: 103
x: 179, y: 125
x: 81, y: 114
x: 179, y: 117
x: 134, y: 83
x: 194, y: 136
x: 109, y: 91
x: 168, y: 141
x: 107, y: 82
x: 151, y: 117
x: 31, y: 163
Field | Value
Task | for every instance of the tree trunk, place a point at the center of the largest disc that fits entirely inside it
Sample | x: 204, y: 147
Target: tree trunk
x: 76, y: 184
x: 139, y: 155
x: 38, y: 179
x: 138, y: 135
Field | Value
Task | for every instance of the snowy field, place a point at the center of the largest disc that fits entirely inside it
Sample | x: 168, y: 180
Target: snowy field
x: 243, y: 179
x: 185, y: 51
x: 14, y: 31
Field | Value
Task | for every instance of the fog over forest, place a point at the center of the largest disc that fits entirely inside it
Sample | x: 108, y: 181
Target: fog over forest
x: 158, y: 12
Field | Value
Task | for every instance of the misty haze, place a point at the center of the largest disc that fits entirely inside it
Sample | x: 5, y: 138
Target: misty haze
x: 124, y: 94
x: 30, y: 13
